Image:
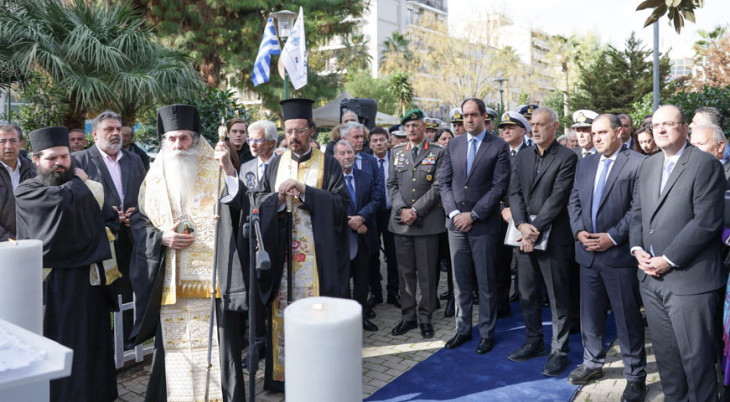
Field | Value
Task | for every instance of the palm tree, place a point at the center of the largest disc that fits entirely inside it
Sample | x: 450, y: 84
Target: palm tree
x: 102, y: 56
x: 401, y: 89
x: 563, y: 50
x: 354, y: 55
x: 396, y: 56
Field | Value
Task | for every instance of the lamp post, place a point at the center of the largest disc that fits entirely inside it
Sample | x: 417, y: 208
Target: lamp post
x: 501, y: 81
x: 284, y: 21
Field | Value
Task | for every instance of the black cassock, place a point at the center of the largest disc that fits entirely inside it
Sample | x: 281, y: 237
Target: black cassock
x: 68, y: 221
x: 328, y: 208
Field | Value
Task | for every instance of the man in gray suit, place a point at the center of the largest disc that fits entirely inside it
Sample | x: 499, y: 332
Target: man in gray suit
x: 121, y: 173
x: 539, y: 193
x: 600, y: 213
x: 474, y: 177
x: 675, y: 237
x: 417, y: 218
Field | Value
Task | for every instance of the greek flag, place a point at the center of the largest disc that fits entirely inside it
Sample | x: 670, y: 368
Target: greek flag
x: 269, y: 46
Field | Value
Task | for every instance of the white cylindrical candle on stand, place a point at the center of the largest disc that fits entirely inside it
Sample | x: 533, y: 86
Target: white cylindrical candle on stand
x: 323, y: 350
x: 21, y: 284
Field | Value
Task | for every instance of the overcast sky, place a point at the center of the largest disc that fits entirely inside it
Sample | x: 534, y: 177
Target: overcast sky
x: 612, y: 20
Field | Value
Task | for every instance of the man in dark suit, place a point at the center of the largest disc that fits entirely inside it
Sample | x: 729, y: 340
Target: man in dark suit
x: 378, y: 140
x: 361, y: 220
x: 14, y: 169
x: 675, y: 237
x: 512, y: 128
x: 417, y: 219
x: 538, y: 201
x: 600, y: 213
x: 121, y: 173
x: 354, y: 133
x: 474, y: 177
x: 260, y: 140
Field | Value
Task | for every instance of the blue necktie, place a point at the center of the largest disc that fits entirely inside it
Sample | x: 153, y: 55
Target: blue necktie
x: 599, y: 191
x: 351, y: 189
x: 665, y: 175
x: 471, y: 155
x: 263, y: 170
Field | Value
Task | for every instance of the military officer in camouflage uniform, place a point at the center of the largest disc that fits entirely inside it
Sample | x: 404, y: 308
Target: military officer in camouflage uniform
x: 417, y: 218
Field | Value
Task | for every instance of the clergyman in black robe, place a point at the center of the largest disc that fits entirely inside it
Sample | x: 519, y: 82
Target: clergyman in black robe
x: 317, y: 185
x: 57, y: 208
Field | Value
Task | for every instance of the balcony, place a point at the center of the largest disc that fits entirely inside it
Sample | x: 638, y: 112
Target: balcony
x: 437, y: 5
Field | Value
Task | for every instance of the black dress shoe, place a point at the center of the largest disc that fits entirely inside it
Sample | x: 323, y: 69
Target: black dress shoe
x: 635, y: 391
x: 450, y: 309
x: 485, y: 346
x: 445, y: 295
x: 457, y: 341
x: 582, y: 375
x: 374, y: 300
x: 368, y: 326
x: 394, y: 300
x: 528, y: 351
x: 403, y: 327
x: 369, y: 312
x: 426, y: 331
x: 474, y: 297
x: 555, y: 365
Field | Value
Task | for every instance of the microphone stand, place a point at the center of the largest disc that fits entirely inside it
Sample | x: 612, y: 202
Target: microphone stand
x: 258, y: 260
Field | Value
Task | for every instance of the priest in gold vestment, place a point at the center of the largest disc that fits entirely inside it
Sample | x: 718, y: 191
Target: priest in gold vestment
x: 319, y: 248
x: 173, y: 268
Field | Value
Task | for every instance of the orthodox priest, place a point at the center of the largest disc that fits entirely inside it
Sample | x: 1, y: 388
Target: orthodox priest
x: 58, y: 208
x: 319, y: 240
x: 172, y: 275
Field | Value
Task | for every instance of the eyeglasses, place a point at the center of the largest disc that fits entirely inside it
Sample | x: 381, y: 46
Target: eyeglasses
x: 257, y: 141
x: 296, y: 130
x: 666, y: 124
x: 12, y: 141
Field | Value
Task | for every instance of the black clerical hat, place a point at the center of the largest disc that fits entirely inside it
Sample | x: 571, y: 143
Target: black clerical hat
x: 177, y: 117
x: 297, y: 108
x: 48, y: 137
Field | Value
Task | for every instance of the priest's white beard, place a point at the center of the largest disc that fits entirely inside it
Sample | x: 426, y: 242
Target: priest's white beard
x: 181, y: 175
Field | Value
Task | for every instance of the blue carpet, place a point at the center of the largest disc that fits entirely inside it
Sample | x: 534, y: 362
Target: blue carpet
x: 460, y: 374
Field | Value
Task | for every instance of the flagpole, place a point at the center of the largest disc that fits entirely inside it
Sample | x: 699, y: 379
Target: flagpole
x: 286, y: 85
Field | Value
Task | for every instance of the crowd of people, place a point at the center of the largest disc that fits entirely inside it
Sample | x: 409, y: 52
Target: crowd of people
x: 604, y: 218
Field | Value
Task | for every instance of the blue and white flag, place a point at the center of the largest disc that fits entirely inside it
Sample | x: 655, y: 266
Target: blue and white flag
x: 294, y: 57
x: 269, y: 46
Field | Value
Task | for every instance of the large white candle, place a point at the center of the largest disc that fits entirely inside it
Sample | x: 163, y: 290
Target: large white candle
x: 323, y: 350
x: 21, y: 283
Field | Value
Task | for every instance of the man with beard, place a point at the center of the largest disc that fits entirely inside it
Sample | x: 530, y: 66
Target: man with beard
x: 121, y: 173
x: 320, y: 247
x: 60, y: 210
x: 14, y: 169
x: 174, y: 266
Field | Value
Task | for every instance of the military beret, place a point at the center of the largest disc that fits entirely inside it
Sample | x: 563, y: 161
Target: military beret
x: 413, y: 114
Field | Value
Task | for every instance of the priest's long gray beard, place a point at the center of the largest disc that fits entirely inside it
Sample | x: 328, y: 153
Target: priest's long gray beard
x: 181, y: 174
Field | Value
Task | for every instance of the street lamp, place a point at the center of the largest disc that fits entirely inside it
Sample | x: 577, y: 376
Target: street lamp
x: 501, y: 81
x: 284, y: 21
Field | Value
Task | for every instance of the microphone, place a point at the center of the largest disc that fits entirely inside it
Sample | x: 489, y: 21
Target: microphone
x: 251, y: 180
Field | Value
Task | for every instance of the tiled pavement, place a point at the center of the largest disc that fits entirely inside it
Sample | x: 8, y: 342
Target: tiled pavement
x: 386, y: 357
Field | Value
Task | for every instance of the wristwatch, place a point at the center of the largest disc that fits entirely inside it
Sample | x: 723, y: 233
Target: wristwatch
x: 473, y: 216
